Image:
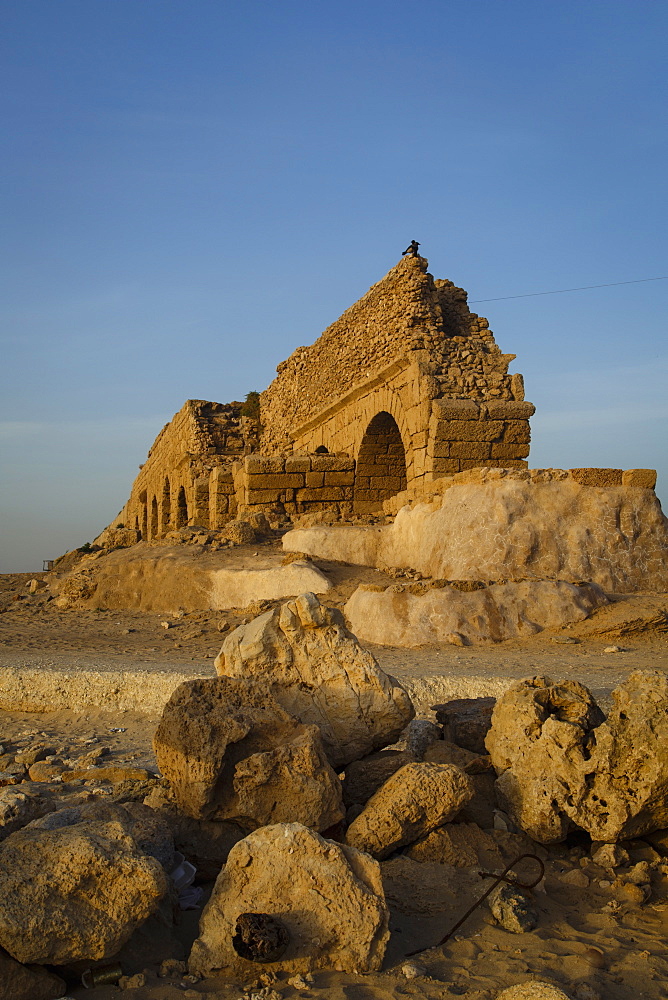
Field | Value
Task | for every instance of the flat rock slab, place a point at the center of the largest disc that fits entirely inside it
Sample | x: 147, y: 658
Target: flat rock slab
x: 418, y: 615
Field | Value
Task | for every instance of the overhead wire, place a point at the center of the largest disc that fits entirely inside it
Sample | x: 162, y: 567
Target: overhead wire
x: 580, y: 288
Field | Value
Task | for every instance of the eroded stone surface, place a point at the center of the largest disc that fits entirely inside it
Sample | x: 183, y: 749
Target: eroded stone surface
x: 329, y: 896
x: 230, y: 752
x: 73, y: 893
x: 399, y: 616
x: 416, y: 799
x: 560, y: 763
x: 317, y: 670
x: 23, y: 982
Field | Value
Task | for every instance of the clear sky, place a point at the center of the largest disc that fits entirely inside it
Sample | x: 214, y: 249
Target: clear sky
x: 194, y: 188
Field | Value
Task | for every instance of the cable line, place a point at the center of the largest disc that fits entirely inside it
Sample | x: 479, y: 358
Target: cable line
x: 581, y: 288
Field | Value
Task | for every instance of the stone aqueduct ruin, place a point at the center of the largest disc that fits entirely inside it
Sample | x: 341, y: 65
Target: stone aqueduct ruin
x: 408, y: 385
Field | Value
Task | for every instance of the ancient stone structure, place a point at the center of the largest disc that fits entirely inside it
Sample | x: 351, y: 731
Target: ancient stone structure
x: 406, y: 386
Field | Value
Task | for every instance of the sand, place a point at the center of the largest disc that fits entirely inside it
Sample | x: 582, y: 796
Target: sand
x: 589, y: 940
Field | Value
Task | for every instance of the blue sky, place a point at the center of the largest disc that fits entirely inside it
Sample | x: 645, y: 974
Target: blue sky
x: 191, y: 190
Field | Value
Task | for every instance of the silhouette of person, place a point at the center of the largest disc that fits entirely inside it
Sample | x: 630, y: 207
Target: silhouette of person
x: 412, y: 249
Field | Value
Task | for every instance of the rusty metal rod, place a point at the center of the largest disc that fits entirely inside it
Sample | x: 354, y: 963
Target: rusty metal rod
x: 497, y: 879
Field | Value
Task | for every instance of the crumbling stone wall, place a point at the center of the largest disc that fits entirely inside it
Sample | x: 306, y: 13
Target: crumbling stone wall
x: 411, y: 349
x: 406, y: 386
x: 187, y: 477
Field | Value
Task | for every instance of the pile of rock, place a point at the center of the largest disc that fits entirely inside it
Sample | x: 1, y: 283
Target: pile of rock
x: 283, y: 780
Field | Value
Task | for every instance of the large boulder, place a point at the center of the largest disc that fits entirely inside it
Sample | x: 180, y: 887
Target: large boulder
x: 73, y: 893
x: 415, y: 615
x: 25, y: 982
x: 560, y: 763
x: 318, y: 672
x: 328, y: 896
x: 230, y: 752
x: 414, y: 800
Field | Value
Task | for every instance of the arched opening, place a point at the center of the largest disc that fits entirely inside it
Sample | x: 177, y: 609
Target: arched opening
x: 381, y: 463
x: 154, y: 518
x: 321, y: 450
x: 143, y: 518
x: 166, y: 511
x: 181, y: 508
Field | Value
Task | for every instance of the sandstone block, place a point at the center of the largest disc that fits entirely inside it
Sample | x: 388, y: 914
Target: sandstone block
x: 275, y: 481
x: 339, y: 478
x: 297, y: 463
x: 239, y: 532
x: 507, y: 409
x: 320, y: 674
x: 364, y: 777
x: 533, y: 990
x: 501, y: 449
x: 456, y: 409
x: 639, y: 477
x: 475, y: 430
x: 470, y: 449
x: 230, y: 752
x: 596, y: 477
x: 314, y: 479
x: 445, y: 465
x: 517, y: 431
x: 264, y: 496
x: 462, y: 845
x: 466, y: 721
x: 328, y: 896
x: 76, y: 892
x: 322, y: 494
x: 260, y: 464
x: 415, y: 800
x: 331, y: 463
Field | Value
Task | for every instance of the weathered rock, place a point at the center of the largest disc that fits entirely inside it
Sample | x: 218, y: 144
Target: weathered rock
x: 461, y: 845
x: 533, y: 990
x: 27, y: 982
x: 77, y: 892
x: 514, y: 525
x: 609, y: 855
x: 512, y: 909
x: 19, y: 804
x: 319, y: 673
x: 480, y: 809
x: 329, y: 897
x: 399, y: 617
x: 419, y: 735
x: 230, y: 752
x: 560, y: 763
x: 416, y: 799
x: 364, y: 777
x: 466, y: 721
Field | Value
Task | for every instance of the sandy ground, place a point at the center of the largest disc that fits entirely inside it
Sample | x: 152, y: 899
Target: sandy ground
x: 590, y: 940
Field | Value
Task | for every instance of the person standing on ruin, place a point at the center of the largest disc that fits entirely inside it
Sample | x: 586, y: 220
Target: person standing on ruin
x: 412, y: 249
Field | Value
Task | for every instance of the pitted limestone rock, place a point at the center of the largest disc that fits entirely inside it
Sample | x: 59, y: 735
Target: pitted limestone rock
x: 74, y: 893
x: 230, y: 752
x: 316, y: 669
x: 329, y: 897
x: 559, y: 762
x: 415, y: 800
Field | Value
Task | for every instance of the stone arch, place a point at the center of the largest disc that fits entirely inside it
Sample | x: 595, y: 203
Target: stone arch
x: 181, y: 512
x: 143, y: 514
x: 381, y: 462
x: 322, y: 450
x: 166, y: 508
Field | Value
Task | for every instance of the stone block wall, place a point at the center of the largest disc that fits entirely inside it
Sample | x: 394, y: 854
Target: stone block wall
x: 295, y: 483
x: 465, y: 434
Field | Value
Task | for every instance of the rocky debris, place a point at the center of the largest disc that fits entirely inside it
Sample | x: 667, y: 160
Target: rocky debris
x: 609, y: 855
x: 415, y: 800
x: 560, y: 763
x: 426, y: 615
x: 316, y: 669
x: 364, y: 777
x: 466, y: 721
x: 512, y: 909
x: 462, y: 845
x: 239, y: 532
x: 76, y: 892
x: 230, y: 752
x: 19, y: 805
x: 27, y: 982
x: 328, y: 896
x: 480, y: 809
x: 534, y: 990
x: 419, y: 735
